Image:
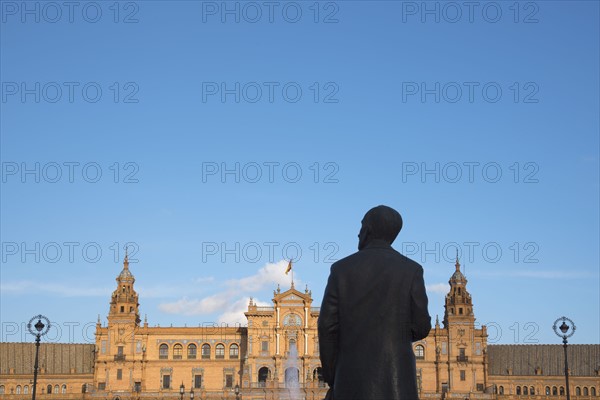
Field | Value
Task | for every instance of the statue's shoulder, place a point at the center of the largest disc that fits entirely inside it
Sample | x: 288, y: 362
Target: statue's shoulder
x: 410, y: 263
x: 348, y: 260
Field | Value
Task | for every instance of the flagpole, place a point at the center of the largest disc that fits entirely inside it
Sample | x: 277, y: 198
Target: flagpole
x: 289, y: 268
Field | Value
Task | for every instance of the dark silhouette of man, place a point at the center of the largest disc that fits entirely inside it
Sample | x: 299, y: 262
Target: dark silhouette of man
x: 373, y: 308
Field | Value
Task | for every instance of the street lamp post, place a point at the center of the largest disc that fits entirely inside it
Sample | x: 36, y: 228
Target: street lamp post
x: 41, y: 329
x: 237, y: 392
x: 192, y: 394
x: 567, y: 329
x: 181, y: 391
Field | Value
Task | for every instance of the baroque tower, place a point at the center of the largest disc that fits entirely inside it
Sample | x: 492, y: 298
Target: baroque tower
x: 453, y: 359
x: 461, y: 355
x: 124, y: 306
x: 120, y: 349
x: 458, y: 307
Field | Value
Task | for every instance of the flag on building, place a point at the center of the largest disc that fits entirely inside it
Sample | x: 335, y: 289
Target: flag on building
x: 289, y: 267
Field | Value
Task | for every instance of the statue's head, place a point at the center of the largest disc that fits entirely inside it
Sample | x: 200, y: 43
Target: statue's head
x: 381, y: 222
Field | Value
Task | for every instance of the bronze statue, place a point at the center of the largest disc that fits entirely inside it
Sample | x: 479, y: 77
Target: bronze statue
x: 374, y: 307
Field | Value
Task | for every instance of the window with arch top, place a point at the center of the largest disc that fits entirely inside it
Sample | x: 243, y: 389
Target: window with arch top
x: 206, y: 351
x: 419, y: 352
x: 177, y: 351
x: 318, y: 375
x: 220, y: 351
x: 234, y: 351
x: 191, y: 351
x: 263, y: 375
x: 163, y: 351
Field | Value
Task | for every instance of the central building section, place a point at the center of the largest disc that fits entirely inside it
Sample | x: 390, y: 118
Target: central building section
x: 283, y: 347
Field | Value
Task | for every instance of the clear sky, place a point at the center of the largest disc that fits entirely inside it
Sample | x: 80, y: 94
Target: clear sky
x: 220, y: 139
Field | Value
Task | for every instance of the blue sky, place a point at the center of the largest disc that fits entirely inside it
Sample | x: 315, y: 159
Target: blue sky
x: 220, y: 138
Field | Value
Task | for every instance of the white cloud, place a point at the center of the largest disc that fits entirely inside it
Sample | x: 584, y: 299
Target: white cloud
x: 232, y: 301
x: 206, y: 305
x: 235, y: 312
x: 439, y: 288
x: 272, y: 273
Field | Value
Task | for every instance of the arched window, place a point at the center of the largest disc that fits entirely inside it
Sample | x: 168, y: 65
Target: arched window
x: 554, y: 391
x: 577, y: 391
x: 206, y: 351
x: 547, y: 390
x: 191, y: 353
x: 234, y: 351
x: 561, y: 391
x: 56, y: 389
x: 501, y: 390
x: 525, y: 390
x: 1, y: 389
x: 419, y: 352
x: 531, y: 390
x: 18, y: 390
x: 585, y: 391
x: 63, y: 389
x: 25, y: 389
x: 163, y: 351
x: 593, y: 391
x: 518, y: 390
x: 318, y: 375
x: 84, y: 388
x: 220, y: 351
x: 177, y: 351
x: 49, y: 389
x: 263, y: 375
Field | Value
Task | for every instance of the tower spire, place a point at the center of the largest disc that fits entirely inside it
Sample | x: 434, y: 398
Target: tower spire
x: 457, y: 265
x: 126, y: 260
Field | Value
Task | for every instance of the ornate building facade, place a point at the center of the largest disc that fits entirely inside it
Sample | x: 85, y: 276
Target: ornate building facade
x: 277, y: 357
